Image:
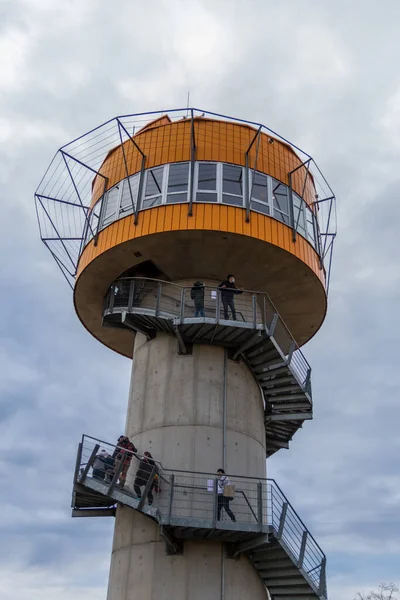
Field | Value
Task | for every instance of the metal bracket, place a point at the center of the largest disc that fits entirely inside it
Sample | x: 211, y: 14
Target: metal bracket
x: 172, y: 545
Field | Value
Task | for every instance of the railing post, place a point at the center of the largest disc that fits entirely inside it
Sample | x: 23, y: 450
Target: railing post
x: 302, y: 549
x: 254, y: 303
x: 260, y: 505
x: 171, y: 497
x: 159, y: 289
x: 116, y: 475
x: 89, y: 463
x: 291, y: 350
x: 307, y: 383
x: 78, y: 461
x: 282, y: 520
x: 322, y: 578
x: 218, y: 305
x: 182, y: 308
x: 273, y: 324
x: 112, y: 297
x: 131, y: 292
x: 147, y: 488
x: 215, y: 503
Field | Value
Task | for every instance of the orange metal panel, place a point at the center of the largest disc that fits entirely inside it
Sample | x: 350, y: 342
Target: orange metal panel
x: 175, y: 216
x: 206, y: 217
x: 223, y: 223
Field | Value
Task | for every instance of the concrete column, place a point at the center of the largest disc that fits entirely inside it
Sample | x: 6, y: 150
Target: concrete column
x: 176, y: 411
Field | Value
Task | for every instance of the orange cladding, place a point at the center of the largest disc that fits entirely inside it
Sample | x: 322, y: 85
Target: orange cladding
x: 212, y: 217
x: 165, y: 142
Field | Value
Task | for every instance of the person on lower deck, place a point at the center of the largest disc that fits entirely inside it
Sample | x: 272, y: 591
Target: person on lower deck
x: 124, y: 453
x: 146, y: 467
x: 223, y: 501
x: 228, y: 291
x: 100, y: 464
x: 197, y: 295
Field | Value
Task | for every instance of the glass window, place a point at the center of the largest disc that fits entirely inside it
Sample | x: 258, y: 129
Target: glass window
x: 207, y: 183
x: 259, y: 193
x: 153, y: 189
x: 280, y: 199
x: 111, y: 205
x: 298, y: 211
x: 178, y: 182
x: 130, y: 186
x: 310, y: 226
x: 232, y: 185
x: 94, y: 222
x: 260, y: 207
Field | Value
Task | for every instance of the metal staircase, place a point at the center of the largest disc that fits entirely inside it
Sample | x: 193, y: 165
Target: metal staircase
x: 258, y: 336
x: 267, y: 529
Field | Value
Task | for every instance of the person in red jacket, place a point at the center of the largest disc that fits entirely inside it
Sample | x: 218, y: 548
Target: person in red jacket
x: 124, y: 452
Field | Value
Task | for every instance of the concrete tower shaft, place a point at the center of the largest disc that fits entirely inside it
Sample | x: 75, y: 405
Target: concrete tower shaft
x: 203, y: 411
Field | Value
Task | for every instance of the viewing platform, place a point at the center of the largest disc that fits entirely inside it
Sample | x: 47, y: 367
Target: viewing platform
x: 257, y: 335
x: 267, y: 528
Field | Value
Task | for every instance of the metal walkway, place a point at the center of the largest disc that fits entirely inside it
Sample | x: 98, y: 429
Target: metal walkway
x: 257, y: 335
x: 267, y: 528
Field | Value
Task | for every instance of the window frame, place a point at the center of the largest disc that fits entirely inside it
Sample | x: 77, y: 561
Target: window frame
x: 222, y: 193
x: 167, y: 193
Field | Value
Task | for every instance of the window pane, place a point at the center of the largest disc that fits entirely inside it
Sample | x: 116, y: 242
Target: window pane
x: 154, y: 181
x: 281, y: 217
x: 111, y: 206
x: 149, y: 202
x: 176, y: 198
x: 204, y: 197
x: 298, y: 211
x: 236, y: 200
x: 280, y: 196
x: 260, y: 190
x: 207, y: 177
x: 310, y: 226
x: 178, y: 179
x: 232, y: 182
x: 260, y: 207
x: 126, y: 202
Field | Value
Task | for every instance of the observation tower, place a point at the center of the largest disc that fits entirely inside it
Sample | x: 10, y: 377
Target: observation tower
x: 135, y: 212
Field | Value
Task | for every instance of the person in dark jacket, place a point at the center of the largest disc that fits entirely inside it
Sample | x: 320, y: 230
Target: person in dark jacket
x: 144, y: 471
x: 228, y: 291
x: 197, y: 295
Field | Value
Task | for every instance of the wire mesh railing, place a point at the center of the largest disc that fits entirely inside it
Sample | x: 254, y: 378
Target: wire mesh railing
x: 171, y: 301
x: 198, y: 500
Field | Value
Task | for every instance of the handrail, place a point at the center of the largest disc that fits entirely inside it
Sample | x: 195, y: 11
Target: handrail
x: 275, y: 511
x: 266, y: 309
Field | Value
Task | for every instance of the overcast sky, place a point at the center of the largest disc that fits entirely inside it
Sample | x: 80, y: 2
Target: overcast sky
x: 324, y: 74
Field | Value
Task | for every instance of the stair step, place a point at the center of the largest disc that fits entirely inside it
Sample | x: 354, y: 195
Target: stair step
x: 283, y: 389
x: 264, y: 370
x: 285, y: 398
x: 285, y: 406
x: 262, y: 359
x: 271, y: 381
x: 300, y: 590
x: 273, y: 563
x: 260, y: 348
x: 271, y: 573
x: 285, y: 581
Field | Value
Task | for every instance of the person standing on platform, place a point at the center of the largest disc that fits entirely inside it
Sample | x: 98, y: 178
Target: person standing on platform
x: 124, y: 453
x: 228, y: 290
x: 223, y: 501
x: 197, y: 295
